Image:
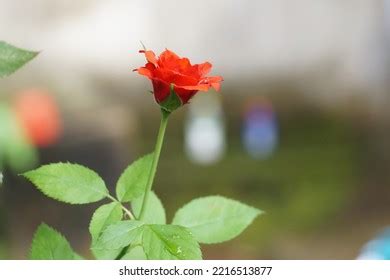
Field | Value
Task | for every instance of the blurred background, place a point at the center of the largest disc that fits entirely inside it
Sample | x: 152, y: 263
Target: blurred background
x: 301, y: 128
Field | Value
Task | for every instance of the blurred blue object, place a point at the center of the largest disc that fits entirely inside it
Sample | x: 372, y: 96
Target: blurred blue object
x: 378, y: 248
x: 260, y: 129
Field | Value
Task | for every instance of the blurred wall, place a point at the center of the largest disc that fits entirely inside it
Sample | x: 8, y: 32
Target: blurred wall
x: 335, y: 43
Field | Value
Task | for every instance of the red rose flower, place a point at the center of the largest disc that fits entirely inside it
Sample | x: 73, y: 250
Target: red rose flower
x: 169, y: 72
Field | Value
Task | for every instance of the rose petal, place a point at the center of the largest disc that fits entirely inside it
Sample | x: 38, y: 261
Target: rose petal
x: 183, y: 80
x: 216, y: 86
x: 161, y: 89
x: 150, y: 57
x: 168, y: 59
x: 145, y: 72
x: 201, y: 87
x: 214, y: 79
x: 204, y: 68
x: 214, y: 82
x: 184, y: 94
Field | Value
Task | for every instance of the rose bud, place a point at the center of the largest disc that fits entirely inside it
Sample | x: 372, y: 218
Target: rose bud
x: 175, y: 80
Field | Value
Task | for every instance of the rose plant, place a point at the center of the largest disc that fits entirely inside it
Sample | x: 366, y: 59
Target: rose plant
x: 132, y: 224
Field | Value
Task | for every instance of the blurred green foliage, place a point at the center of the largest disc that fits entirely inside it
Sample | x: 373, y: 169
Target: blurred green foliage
x: 303, y: 187
x: 16, y: 152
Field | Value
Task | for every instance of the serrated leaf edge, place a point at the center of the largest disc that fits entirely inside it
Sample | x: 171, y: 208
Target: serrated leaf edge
x: 26, y: 175
x: 123, y: 173
x: 58, y: 233
x: 184, y: 228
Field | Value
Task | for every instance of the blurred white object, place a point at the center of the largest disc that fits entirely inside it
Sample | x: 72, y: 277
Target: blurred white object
x: 205, y: 130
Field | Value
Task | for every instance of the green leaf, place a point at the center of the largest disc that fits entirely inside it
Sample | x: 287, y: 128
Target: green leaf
x: 67, y: 182
x: 170, y: 242
x: 119, y: 235
x: 132, y: 182
x: 104, y: 216
x: 136, y: 253
x: 215, y: 219
x: 155, y: 212
x: 48, y: 244
x: 172, y: 102
x: 12, y: 58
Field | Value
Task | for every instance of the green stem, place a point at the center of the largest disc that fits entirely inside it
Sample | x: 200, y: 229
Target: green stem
x: 127, y: 211
x: 156, y: 156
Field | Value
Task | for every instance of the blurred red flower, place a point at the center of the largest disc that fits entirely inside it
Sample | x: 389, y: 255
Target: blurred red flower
x: 38, y: 114
x: 170, y: 70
